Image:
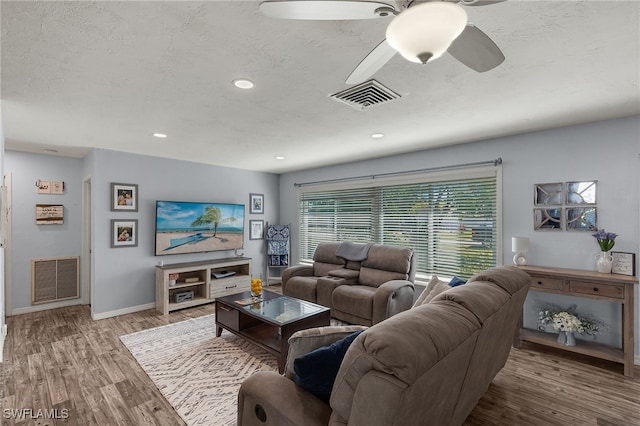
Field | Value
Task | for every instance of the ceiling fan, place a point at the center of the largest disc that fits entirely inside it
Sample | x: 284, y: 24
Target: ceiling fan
x: 440, y: 22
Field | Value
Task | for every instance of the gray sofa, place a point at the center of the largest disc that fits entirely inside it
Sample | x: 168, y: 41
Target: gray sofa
x: 363, y: 291
x: 426, y: 366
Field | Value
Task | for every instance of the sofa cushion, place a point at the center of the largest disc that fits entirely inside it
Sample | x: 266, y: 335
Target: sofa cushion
x: 322, y: 269
x: 389, y: 258
x: 302, y: 288
x: 434, y: 288
x: 354, y: 299
x: 376, y: 277
x: 316, y: 371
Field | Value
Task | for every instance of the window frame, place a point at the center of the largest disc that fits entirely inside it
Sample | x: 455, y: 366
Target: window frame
x: 410, y: 179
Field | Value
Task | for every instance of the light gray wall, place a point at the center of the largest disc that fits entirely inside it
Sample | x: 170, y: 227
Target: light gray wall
x: 31, y: 241
x: 125, y: 277
x: 604, y: 151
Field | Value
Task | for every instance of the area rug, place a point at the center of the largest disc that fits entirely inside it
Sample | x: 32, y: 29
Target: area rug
x: 197, y: 372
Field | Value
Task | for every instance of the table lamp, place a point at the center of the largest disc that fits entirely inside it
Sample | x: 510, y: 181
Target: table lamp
x: 520, y: 246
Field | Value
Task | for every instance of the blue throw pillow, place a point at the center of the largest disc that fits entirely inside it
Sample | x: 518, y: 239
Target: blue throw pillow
x: 316, y: 371
x: 455, y: 281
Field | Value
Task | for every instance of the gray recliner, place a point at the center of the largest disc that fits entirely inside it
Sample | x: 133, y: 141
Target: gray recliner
x: 358, y: 292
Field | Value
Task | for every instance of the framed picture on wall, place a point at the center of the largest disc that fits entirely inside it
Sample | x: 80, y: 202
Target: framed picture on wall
x: 256, y: 203
x: 124, y: 197
x: 256, y: 228
x: 124, y: 233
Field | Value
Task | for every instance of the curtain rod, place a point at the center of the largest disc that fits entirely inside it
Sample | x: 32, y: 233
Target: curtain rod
x: 495, y: 162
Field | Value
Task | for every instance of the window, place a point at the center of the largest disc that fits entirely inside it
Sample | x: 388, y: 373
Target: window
x: 451, y: 220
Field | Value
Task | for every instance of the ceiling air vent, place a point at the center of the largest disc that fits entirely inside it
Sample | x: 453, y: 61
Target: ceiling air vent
x: 366, y: 94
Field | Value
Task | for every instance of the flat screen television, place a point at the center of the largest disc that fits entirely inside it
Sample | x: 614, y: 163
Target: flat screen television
x: 188, y: 227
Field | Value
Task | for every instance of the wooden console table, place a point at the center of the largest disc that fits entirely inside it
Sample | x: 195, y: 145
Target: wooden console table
x: 593, y: 285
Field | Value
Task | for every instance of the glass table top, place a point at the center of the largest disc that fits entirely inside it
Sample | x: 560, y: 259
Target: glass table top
x: 284, y: 309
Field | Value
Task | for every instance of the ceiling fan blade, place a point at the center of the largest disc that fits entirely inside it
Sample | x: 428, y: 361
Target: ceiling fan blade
x: 476, y: 50
x: 334, y: 10
x: 379, y: 56
x: 480, y: 2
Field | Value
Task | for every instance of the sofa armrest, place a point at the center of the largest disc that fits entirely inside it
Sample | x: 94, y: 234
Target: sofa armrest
x: 392, y: 298
x: 279, y: 401
x: 304, y: 341
x: 297, y: 270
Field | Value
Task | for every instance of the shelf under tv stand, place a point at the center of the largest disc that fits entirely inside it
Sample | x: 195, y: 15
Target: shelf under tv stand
x: 205, y: 288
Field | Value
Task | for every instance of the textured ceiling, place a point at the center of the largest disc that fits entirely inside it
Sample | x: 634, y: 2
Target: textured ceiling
x: 77, y: 75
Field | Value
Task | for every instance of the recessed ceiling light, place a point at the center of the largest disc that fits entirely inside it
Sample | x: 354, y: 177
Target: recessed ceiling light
x: 243, y: 83
x: 279, y: 157
x: 159, y: 135
x: 377, y: 135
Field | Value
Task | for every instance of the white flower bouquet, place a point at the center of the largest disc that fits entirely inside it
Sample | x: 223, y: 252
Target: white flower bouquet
x: 568, y: 320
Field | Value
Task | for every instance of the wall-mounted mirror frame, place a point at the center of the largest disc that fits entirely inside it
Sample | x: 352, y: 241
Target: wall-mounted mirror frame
x: 547, y: 219
x: 548, y: 194
x: 581, y: 192
x: 580, y: 218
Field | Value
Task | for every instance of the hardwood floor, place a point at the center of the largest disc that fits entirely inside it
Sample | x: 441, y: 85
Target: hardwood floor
x: 62, y: 360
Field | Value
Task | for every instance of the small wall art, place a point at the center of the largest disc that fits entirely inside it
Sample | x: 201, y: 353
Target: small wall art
x: 124, y: 233
x: 43, y: 186
x: 124, y: 197
x: 623, y: 263
x: 57, y: 187
x: 49, y: 214
x: 256, y: 228
x: 256, y: 203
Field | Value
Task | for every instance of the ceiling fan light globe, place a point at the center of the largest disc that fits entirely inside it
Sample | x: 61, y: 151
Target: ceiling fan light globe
x: 426, y: 28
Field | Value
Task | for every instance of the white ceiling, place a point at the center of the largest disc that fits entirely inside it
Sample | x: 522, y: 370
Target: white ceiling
x: 77, y: 75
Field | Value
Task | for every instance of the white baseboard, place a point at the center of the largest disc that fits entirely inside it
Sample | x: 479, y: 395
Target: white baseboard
x: 45, y: 307
x: 123, y: 311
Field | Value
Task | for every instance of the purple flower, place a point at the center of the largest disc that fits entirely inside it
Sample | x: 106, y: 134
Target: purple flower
x: 606, y: 240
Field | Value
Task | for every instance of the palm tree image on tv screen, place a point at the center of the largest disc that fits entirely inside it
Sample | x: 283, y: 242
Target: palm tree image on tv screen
x: 193, y: 227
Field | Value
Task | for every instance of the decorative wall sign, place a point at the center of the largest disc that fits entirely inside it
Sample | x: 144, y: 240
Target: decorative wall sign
x: 623, y: 263
x: 44, y: 186
x: 57, y: 187
x: 124, y: 233
x: 49, y: 214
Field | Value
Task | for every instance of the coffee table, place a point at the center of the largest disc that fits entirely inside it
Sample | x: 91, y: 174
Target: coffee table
x: 269, y: 321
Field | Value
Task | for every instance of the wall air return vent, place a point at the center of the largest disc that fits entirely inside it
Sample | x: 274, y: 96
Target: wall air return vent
x: 366, y: 94
x: 54, y: 279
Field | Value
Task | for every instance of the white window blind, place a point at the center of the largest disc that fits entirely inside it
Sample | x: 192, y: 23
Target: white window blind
x: 450, y: 223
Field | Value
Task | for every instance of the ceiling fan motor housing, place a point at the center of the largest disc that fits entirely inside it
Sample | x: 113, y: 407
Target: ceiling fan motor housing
x: 426, y: 31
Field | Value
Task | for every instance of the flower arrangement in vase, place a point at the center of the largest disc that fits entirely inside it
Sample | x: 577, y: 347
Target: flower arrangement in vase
x: 173, y: 278
x: 567, y: 321
x: 606, y: 241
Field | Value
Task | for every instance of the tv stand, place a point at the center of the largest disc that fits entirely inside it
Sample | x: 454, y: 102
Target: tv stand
x: 196, y: 282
